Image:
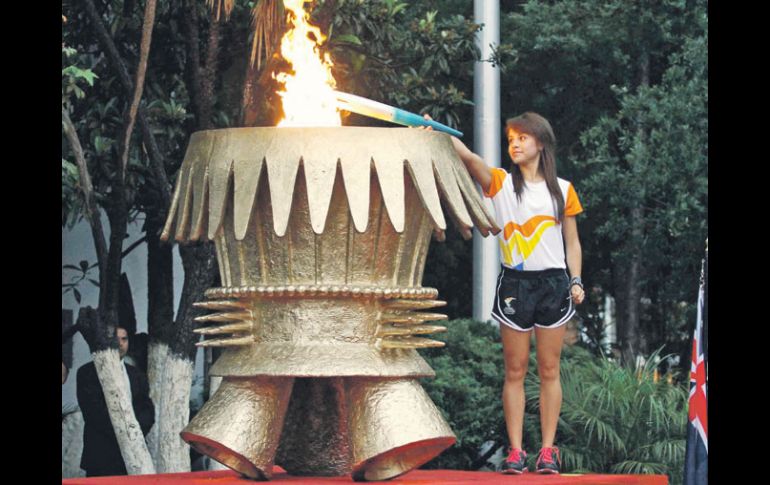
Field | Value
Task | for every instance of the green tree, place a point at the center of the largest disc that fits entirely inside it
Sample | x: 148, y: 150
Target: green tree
x: 125, y: 178
x: 651, y: 157
x: 98, y: 326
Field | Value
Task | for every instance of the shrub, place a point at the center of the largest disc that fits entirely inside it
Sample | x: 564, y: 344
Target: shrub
x: 616, y: 420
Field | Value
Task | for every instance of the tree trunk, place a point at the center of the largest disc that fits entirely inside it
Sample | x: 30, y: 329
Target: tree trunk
x: 173, y: 350
x: 193, y: 64
x: 100, y: 326
x: 173, y: 453
x: 101, y: 339
x: 72, y: 445
x: 127, y: 430
x: 160, y: 317
x: 208, y: 76
x: 633, y: 342
x: 250, y: 101
x: 157, y: 355
x: 174, y: 376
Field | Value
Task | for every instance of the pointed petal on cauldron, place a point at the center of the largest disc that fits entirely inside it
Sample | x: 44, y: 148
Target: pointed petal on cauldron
x: 220, y: 182
x: 356, y: 165
x: 199, y: 217
x: 195, y: 162
x: 421, y: 170
x: 390, y: 173
x: 482, y: 219
x: 170, y: 228
x: 185, y: 203
x: 447, y: 183
x: 282, y: 166
x: 320, y: 172
x: 220, y: 170
x: 248, y: 153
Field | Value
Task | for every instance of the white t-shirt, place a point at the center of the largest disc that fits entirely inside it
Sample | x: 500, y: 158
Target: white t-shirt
x: 531, y: 238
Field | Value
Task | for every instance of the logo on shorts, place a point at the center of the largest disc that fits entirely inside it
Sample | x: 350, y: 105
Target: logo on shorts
x: 508, y: 310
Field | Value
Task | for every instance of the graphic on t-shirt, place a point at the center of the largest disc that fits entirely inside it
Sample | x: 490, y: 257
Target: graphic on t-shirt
x: 537, y: 242
x: 524, y: 238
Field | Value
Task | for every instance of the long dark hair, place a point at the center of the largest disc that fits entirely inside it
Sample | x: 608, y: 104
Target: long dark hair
x: 535, y: 125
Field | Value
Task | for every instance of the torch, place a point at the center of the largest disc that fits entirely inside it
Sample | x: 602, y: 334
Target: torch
x: 381, y: 111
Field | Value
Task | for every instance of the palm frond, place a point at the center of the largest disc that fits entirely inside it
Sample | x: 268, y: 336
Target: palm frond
x: 218, y: 5
x: 269, y: 24
x: 633, y: 467
x: 595, y: 427
x: 600, y: 397
x: 580, y: 460
x: 670, y: 450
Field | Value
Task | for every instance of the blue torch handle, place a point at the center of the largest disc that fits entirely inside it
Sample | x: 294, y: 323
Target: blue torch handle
x: 408, y: 118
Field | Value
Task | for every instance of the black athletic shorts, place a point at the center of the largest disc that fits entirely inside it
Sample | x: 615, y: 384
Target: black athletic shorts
x: 527, y: 298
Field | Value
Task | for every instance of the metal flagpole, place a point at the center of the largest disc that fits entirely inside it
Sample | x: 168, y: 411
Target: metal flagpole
x: 486, y: 135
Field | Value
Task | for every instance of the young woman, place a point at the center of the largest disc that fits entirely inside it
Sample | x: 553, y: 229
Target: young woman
x: 537, y: 212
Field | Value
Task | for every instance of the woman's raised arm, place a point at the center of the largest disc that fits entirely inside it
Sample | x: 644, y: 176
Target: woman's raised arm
x: 479, y: 170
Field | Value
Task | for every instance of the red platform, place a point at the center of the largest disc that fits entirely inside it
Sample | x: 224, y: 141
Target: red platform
x: 454, y: 477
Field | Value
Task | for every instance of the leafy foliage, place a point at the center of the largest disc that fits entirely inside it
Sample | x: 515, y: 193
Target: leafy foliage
x: 653, y: 154
x: 81, y: 273
x: 618, y: 420
x: 401, y: 53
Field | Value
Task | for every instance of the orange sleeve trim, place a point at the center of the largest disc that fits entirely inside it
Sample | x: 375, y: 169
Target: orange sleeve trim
x: 498, y: 175
x: 572, y: 207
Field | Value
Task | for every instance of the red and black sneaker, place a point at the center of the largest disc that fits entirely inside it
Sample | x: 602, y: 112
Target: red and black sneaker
x: 516, y: 463
x: 549, y: 461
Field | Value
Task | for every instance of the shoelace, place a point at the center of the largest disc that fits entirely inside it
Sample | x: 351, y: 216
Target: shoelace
x: 514, y: 455
x: 547, y: 455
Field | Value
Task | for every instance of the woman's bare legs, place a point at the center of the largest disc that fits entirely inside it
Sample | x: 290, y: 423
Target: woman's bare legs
x: 549, y: 344
x: 516, y: 356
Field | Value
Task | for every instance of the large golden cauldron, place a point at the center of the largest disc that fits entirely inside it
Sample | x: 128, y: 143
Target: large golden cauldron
x: 321, y: 236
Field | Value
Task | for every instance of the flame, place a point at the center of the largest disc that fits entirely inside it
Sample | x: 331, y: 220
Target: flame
x: 308, y: 98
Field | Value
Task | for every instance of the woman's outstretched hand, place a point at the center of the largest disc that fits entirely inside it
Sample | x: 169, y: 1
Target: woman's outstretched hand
x: 428, y: 128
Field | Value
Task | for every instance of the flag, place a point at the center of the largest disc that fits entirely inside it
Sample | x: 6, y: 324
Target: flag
x: 696, y: 455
